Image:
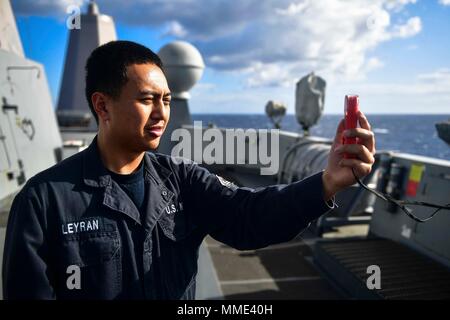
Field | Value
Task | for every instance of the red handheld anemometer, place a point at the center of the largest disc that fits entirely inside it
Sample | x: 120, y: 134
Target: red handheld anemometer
x: 351, y: 120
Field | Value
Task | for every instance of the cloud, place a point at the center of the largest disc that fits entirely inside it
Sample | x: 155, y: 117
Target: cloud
x: 175, y: 29
x: 439, y: 79
x: 203, y: 87
x: 333, y: 38
x: 293, y: 9
x: 271, y: 74
x: 412, y: 27
x: 398, y: 4
x: 444, y: 2
x: 412, y: 47
x: 427, y: 92
x: 269, y: 42
x: 426, y: 84
x: 43, y: 7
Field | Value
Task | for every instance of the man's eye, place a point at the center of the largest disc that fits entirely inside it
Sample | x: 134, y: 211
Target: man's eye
x: 146, y: 100
x: 167, y: 101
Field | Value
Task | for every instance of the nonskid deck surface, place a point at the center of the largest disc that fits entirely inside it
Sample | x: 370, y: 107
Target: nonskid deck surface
x: 405, y: 274
x: 283, y: 271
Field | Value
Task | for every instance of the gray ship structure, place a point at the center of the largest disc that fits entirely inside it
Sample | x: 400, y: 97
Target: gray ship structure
x: 330, y: 260
x: 443, y: 130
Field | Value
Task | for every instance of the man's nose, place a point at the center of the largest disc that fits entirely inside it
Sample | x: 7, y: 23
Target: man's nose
x: 159, y: 110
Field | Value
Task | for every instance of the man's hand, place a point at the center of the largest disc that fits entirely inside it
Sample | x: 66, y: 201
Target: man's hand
x: 338, y: 173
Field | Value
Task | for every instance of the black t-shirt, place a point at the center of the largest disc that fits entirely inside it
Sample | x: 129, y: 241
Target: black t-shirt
x: 133, y: 185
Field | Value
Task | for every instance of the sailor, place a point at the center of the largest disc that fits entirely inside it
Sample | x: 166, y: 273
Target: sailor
x: 119, y: 220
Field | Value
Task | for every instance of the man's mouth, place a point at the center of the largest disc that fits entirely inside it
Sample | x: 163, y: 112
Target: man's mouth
x: 156, y: 131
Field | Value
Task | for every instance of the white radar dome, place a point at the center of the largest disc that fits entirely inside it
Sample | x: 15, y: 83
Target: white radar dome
x: 183, y: 65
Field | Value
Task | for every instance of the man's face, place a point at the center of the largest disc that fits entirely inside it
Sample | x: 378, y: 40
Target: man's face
x: 139, y: 116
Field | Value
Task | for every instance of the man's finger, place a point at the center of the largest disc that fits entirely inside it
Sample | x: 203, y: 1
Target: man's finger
x: 339, y: 132
x: 366, y: 137
x: 362, y: 169
x: 359, y: 150
x: 363, y: 122
x: 359, y: 132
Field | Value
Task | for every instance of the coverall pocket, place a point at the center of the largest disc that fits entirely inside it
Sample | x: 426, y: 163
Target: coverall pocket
x: 94, y: 248
x: 98, y: 257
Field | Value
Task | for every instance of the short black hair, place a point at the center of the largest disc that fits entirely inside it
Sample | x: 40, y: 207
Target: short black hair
x: 106, y: 67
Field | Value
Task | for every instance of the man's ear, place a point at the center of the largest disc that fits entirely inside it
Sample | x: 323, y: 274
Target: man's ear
x: 99, y: 102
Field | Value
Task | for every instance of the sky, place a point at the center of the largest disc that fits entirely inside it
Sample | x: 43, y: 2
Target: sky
x: 395, y: 54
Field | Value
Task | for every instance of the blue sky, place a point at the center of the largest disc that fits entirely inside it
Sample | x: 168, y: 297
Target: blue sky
x: 393, y: 53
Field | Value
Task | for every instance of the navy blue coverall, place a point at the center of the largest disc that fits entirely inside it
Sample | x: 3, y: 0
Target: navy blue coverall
x: 74, y: 214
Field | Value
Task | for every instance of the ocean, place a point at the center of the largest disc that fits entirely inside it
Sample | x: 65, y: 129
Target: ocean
x: 414, y: 134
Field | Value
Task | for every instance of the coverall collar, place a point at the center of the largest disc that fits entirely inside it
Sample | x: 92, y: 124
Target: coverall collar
x: 96, y: 175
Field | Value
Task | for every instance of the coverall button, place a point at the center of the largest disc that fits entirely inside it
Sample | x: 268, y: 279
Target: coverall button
x: 164, y: 193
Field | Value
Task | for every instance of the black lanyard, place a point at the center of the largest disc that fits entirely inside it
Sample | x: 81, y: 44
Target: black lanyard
x: 402, y: 204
